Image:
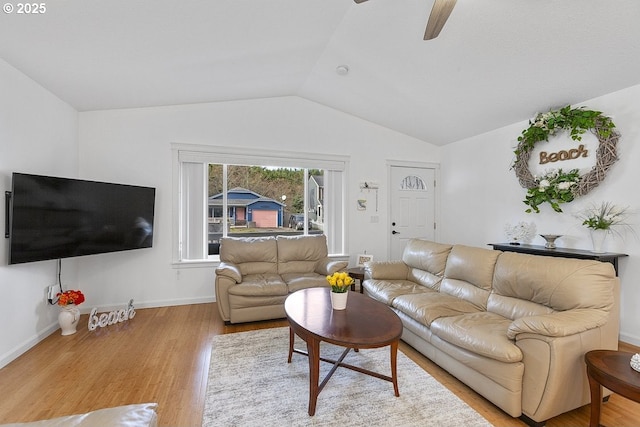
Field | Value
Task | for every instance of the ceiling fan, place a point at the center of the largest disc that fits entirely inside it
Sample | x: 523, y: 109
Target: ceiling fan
x: 439, y: 14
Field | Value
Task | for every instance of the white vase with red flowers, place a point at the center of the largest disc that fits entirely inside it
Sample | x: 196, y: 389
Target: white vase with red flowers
x: 69, y: 315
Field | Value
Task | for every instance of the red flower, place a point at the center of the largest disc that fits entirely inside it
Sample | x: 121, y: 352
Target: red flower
x: 70, y: 297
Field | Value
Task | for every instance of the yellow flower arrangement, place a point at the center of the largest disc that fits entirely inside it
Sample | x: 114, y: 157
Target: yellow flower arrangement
x: 340, y: 282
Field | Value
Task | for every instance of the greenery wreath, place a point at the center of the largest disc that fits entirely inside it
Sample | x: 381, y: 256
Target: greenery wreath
x: 558, y: 187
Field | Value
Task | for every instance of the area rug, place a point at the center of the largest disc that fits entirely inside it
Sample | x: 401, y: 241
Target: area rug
x: 251, y: 383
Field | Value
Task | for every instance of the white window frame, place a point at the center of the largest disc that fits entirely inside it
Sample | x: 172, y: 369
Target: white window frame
x: 190, y: 217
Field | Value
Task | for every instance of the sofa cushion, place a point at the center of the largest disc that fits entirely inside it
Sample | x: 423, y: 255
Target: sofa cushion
x: 297, y: 281
x: 300, y: 254
x: 469, y: 274
x: 472, y: 265
x: 428, y: 306
x: 505, y: 375
x: 253, y: 255
x: 556, y: 283
x: 242, y: 305
x: 387, y: 290
x: 482, y: 333
x: 425, y: 278
x: 260, y: 285
x: 515, y: 308
x: 386, y: 270
x: 426, y: 255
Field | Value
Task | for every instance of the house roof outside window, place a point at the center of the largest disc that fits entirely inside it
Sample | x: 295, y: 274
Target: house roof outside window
x: 239, y: 196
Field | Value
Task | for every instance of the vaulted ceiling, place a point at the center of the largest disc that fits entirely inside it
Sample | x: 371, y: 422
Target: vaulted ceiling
x: 495, y: 62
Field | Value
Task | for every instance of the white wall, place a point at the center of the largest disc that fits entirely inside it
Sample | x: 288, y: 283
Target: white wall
x: 480, y: 194
x: 134, y: 147
x: 38, y: 134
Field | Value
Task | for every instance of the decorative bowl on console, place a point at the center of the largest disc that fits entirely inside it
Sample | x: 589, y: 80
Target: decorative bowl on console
x: 551, y: 240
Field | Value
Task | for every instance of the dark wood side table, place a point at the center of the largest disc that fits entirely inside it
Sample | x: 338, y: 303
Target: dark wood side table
x: 610, y: 369
x: 560, y: 252
x: 357, y: 273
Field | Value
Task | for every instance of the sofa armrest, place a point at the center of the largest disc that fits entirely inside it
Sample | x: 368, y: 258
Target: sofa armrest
x: 227, y: 276
x: 555, y: 378
x: 327, y: 266
x: 386, y: 270
x: 136, y: 415
x: 229, y: 270
x: 559, y: 324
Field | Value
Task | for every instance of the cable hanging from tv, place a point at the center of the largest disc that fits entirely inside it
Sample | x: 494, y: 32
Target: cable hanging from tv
x: 52, y: 295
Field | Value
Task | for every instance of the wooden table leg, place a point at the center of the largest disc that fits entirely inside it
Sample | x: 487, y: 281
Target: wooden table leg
x: 313, y: 350
x: 596, y: 401
x: 291, y: 337
x: 394, y: 364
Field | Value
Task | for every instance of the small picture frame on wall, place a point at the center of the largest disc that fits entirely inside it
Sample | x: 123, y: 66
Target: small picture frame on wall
x: 362, y: 258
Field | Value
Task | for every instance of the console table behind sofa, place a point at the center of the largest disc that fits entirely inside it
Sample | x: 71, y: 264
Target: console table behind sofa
x: 560, y: 252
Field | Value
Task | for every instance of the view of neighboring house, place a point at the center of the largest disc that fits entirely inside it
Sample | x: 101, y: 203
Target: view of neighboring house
x: 245, y: 207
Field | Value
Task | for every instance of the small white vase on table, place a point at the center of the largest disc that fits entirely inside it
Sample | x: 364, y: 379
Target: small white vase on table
x: 340, y: 283
x: 598, y: 238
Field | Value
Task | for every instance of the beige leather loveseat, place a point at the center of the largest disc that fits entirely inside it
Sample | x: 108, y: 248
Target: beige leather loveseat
x: 136, y: 415
x: 513, y: 327
x: 256, y: 275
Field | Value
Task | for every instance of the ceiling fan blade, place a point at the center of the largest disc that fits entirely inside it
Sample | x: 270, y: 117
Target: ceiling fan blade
x: 439, y: 14
x: 360, y: 1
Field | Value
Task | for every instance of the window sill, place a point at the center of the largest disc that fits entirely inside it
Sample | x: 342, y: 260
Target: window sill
x: 196, y: 263
x: 208, y: 263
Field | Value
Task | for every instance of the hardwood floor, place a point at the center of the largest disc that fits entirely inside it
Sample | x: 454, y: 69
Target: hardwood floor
x: 162, y: 355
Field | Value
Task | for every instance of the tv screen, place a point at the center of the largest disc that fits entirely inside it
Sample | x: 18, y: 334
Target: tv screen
x: 53, y: 218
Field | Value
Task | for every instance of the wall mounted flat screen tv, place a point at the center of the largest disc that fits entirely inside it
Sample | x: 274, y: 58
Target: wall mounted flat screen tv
x: 51, y: 218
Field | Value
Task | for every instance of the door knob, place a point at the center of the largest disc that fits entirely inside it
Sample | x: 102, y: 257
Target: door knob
x: 395, y: 232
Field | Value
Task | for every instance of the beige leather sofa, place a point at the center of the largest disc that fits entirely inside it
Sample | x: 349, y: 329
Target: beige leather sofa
x: 257, y: 274
x: 513, y: 327
x: 136, y: 415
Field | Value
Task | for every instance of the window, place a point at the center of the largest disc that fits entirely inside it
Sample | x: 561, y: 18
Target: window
x: 261, y: 201
x: 223, y: 191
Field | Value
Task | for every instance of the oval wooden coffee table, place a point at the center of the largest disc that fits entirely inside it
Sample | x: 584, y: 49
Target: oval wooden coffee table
x: 365, y: 323
x: 611, y: 369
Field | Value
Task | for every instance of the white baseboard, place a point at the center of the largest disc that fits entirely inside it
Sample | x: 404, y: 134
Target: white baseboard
x: 150, y: 304
x: 630, y: 339
x: 13, y: 354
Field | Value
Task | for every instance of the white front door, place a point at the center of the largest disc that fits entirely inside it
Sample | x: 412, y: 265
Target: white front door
x: 412, y: 212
